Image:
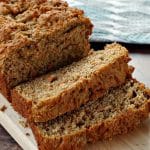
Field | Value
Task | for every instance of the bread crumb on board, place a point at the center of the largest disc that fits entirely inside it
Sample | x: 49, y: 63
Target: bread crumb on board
x: 27, y: 134
x: 23, y: 123
x: 3, y: 108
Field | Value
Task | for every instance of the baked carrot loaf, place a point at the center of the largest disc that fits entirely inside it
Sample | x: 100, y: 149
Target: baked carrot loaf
x: 66, y: 89
x: 37, y: 36
x: 121, y: 110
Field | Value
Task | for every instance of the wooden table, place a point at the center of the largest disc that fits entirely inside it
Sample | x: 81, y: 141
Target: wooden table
x: 141, y: 61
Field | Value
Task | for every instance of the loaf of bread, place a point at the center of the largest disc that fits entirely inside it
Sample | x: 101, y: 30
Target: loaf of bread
x: 67, y: 89
x: 121, y: 110
x: 38, y: 36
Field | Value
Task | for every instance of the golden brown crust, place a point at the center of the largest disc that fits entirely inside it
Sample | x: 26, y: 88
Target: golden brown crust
x: 120, y: 124
x: 3, y: 88
x: 37, y: 20
x: 21, y: 105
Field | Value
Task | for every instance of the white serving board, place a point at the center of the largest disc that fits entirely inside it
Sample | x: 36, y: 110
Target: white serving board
x: 137, y: 140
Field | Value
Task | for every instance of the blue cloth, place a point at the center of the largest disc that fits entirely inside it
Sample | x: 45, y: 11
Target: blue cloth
x: 118, y: 20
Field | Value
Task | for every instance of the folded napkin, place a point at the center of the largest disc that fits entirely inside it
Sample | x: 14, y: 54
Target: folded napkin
x: 120, y: 20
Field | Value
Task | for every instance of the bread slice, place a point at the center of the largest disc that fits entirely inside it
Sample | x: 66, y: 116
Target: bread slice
x: 121, y: 110
x: 66, y: 89
x: 38, y: 36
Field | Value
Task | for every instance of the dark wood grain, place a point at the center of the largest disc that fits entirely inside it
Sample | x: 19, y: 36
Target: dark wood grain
x: 141, y: 61
x: 6, y: 141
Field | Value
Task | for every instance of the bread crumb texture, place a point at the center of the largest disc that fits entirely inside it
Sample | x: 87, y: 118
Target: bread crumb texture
x: 121, y: 110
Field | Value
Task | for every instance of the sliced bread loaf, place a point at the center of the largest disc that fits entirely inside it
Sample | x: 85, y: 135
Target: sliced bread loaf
x: 38, y: 36
x: 66, y: 89
x: 121, y: 110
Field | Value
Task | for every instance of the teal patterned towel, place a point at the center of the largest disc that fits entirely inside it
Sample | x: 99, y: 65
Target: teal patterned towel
x: 118, y: 20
